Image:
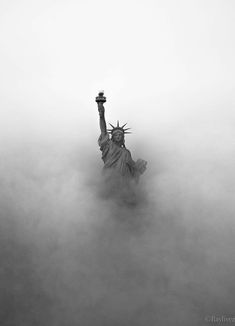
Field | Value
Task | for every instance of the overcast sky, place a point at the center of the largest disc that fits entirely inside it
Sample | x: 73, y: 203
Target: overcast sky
x: 162, y: 64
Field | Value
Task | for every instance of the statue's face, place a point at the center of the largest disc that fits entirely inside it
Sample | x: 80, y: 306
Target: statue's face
x: 118, y: 137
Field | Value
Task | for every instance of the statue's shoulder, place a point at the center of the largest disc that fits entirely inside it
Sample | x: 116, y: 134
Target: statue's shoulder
x: 103, y: 140
x: 104, y: 136
x: 127, y: 151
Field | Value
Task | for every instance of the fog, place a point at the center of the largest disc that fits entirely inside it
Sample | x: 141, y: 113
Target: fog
x: 71, y: 256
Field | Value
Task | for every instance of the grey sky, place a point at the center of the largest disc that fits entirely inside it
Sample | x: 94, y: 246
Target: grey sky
x: 168, y: 61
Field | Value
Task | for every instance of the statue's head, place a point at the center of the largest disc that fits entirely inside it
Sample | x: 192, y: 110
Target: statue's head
x: 118, y: 137
x: 118, y: 134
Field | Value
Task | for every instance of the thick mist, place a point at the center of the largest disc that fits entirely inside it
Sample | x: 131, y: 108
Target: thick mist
x: 70, y: 256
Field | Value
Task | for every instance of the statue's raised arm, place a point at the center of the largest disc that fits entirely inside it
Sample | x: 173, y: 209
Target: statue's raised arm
x: 101, y: 99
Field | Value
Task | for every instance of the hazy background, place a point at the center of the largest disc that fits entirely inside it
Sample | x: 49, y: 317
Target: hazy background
x: 69, y: 257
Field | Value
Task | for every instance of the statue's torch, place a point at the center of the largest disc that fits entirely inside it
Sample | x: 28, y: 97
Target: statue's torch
x: 100, y: 99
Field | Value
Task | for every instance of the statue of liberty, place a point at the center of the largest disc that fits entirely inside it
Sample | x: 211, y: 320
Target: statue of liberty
x: 120, y: 171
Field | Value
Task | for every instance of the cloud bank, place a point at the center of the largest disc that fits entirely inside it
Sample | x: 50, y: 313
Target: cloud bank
x: 72, y: 257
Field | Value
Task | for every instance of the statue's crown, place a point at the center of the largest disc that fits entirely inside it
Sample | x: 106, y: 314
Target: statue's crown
x: 118, y: 128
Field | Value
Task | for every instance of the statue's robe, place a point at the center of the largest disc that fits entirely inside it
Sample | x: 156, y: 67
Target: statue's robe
x: 120, y: 170
x: 116, y: 158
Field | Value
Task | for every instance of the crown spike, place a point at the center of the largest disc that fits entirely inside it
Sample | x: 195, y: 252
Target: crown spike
x: 118, y: 128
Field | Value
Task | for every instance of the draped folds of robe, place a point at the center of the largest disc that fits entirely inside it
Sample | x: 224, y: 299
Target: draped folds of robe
x: 116, y: 159
x: 119, y: 168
